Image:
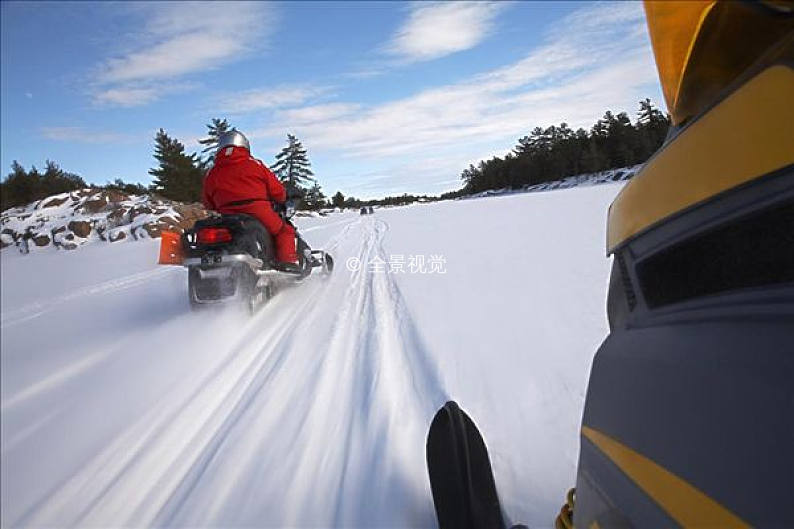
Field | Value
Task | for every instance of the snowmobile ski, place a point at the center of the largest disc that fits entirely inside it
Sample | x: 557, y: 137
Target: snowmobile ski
x: 461, y: 479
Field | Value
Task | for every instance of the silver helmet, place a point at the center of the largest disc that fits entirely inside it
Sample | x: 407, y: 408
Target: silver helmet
x: 233, y: 138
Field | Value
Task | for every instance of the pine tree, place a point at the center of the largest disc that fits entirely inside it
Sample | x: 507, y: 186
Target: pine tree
x: 314, y: 199
x: 652, y: 125
x: 292, y: 166
x: 21, y: 187
x: 214, y: 131
x: 338, y: 200
x: 178, y: 176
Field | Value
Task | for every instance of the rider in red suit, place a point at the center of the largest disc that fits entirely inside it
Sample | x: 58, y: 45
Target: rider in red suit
x: 239, y: 183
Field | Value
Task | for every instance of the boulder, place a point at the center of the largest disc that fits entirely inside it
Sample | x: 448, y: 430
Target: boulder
x: 69, y: 246
x: 114, y: 195
x: 59, y: 229
x: 116, y: 216
x: 41, y: 240
x: 80, y: 228
x: 139, y: 210
x: 153, y: 229
x: 118, y: 236
x: 54, y: 202
x: 189, y: 214
x: 95, y: 205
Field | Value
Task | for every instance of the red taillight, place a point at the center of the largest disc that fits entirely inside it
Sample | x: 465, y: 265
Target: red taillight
x: 213, y: 235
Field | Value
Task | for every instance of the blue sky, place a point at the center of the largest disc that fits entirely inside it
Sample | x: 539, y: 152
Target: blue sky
x: 388, y: 97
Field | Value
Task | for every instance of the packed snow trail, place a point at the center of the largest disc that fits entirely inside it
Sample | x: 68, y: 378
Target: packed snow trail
x: 121, y: 407
x: 313, y: 410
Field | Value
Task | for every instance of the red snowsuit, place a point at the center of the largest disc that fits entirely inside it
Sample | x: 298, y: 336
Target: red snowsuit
x: 238, y: 177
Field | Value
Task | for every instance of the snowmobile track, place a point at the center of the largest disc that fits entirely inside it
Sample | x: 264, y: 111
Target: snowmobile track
x: 351, y: 342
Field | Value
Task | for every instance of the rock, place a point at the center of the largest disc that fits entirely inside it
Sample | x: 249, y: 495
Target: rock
x: 41, y: 240
x: 139, y: 210
x: 95, y: 205
x: 59, y: 229
x: 80, y: 228
x: 116, y: 216
x: 69, y: 246
x: 69, y: 236
x: 153, y: 229
x: 118, y: 236
x: 189, y: 214
x: 54, y: 202
x: 115, y: 196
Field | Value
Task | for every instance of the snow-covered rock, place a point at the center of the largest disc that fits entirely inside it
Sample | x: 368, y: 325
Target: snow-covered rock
x: 586, y: 179
x: 70, y: 220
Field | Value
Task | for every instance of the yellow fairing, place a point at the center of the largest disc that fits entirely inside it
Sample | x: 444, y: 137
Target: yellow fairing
x: 673, y: 27
x: 701, y: 47
x: 749, y: 134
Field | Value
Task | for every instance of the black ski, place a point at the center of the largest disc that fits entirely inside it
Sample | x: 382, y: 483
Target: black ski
x: 464, y: 492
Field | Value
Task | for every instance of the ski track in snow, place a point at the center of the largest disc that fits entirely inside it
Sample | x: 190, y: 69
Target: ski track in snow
x: 313, y: 416
x: 122, y: 408
x: 39, y: 308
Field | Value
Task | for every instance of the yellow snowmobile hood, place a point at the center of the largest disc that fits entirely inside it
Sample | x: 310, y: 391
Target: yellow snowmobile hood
x: 726, y: 70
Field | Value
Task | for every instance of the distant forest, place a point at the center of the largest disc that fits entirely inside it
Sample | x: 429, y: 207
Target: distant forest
x: 544, y: 155
x: 556, y: 152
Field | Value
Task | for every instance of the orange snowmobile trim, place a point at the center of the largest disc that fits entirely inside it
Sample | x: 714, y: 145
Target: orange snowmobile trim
x: 171, y: 251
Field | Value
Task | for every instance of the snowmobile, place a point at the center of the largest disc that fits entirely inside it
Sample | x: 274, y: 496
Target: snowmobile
x: 689, y: 413
x: 232, y: 257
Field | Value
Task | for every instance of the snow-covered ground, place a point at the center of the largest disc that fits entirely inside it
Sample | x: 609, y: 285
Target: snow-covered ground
x: 121, y: 408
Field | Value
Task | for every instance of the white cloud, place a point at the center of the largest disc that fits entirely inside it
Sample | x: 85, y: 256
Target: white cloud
x: 434, y: 30
x: 178, y: 39
x: 136, y: 95
x: 601, y: 60
x: 127, y: 97
x: 82, y: 135
x: 268, y: 98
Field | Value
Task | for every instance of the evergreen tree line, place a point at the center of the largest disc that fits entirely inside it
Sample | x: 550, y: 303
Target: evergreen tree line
x: 22, y: 187
x: 340, y: 201
x: 557, y: 152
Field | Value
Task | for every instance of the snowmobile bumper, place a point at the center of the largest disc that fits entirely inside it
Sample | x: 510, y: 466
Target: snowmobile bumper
x: 222, y: 260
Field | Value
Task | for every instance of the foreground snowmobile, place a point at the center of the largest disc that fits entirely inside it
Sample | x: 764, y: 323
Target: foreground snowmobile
x: 689, y: 414
x: 232, y: 257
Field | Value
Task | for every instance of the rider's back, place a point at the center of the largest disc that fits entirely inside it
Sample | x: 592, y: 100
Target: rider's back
x: 237, y: 176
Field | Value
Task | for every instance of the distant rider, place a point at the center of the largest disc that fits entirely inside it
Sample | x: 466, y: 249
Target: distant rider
x: 239, y: 183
